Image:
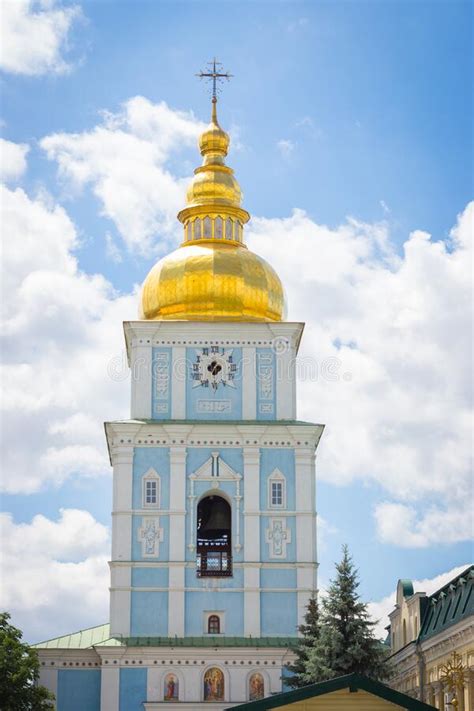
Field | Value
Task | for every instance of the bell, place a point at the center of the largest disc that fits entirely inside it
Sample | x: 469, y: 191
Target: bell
x: 217, y: 518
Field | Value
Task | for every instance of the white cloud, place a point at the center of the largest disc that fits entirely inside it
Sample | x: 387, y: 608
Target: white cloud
x: 403, y: 525
x: 112, y: 249
x: 34, y: 36
x: 380, y: 610
x: 286, y: 147
x: 55, y: 575
x: 60, y: 329
x: 387, y: 358
x: 125, y: 162
x: 13, y: 160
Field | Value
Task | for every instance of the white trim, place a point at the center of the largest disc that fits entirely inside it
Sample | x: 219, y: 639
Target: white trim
x: 49, y: 678
x: 251, y: 602
x: 109, y: 688
x: 178, y: 383
x: 176, y: 590
x: 141, y: 380
x: 249, y: 384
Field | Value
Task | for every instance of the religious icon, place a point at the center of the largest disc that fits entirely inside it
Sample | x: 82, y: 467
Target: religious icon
x: 214, y: 685
x: 256, y: 687
x: 171, y: 690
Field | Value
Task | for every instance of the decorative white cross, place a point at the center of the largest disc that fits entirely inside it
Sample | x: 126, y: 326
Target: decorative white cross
x: 278, y: 537
x: 150, y: 534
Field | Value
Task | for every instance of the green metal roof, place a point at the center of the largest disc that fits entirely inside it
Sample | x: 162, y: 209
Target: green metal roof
x: 354, y: 682
x: 448, y: 605
x: 100, y: 636
x: 84, y: 639
x: 260, y: 423
x: 255, y: 642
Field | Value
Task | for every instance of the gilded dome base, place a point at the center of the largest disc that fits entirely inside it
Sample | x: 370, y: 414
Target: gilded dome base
x: 212, y: 282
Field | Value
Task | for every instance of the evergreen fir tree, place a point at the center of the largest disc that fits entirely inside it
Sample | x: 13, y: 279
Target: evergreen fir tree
x: 310, y: 632
x: 346, y: 643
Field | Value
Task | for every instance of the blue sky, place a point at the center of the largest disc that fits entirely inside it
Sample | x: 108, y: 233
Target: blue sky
x: 356, y: 114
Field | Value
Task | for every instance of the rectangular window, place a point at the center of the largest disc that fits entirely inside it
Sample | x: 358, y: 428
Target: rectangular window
x: 277, y: 493
x: 150, y: 492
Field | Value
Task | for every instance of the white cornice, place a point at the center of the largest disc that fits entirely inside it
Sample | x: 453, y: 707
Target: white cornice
x: 134, y: 433
x: 199, y: 333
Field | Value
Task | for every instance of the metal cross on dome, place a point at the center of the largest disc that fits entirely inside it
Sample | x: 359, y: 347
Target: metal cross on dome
x: 215, y: 74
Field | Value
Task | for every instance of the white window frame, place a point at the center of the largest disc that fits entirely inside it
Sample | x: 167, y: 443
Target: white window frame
x: 207, y: 614
x: 151, y: 475
x: 276, y: 477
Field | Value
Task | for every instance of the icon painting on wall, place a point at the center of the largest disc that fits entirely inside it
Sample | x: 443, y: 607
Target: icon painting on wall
x: 171, y: 690
x: 256, y: 687
x: 214, y: 685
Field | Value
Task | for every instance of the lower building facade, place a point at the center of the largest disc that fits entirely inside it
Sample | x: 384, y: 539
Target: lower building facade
x: 146, y: 674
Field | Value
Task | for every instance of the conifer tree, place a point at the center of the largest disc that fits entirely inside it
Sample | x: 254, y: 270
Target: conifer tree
x: 346, y: 643
x: 310, y: 632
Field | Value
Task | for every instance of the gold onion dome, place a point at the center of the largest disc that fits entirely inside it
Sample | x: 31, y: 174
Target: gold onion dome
x: 212, y: 276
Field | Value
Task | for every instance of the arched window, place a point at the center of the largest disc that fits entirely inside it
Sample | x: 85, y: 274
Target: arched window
x: 171, y: 688
x: 151, y: 490
x: 213, y: 535
x: 197, y: 228
x: 404, y: 632
x: 256, y: 687
x: 218, y: 228
x: 214, y: 624
x: 276, y: 490
x: 207, y: 231
x: 214, y: 685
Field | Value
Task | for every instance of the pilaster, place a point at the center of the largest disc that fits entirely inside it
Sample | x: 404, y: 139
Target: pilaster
x: 252, y: 504
x: 305, y: 506
x: 141, y: 381
x: 178, y: 389
x: 109, y: 689
x: 249, y: 384
x: 49, y: 679
x: 177, y: 551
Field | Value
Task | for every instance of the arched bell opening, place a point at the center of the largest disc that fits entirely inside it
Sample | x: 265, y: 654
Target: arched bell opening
x: 214, y: 537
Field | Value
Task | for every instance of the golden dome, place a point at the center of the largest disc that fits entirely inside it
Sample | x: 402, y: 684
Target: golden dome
x: 212, y: 276
x: 209, y: 282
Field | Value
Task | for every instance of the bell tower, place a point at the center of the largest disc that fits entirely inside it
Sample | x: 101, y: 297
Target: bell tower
x: 214, y: 518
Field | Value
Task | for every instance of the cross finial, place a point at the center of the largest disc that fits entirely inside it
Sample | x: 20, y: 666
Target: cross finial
x: 214, y: 74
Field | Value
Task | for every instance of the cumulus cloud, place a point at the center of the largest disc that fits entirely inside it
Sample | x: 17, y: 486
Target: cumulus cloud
x: 380, y: 609
x: 60, y: 329
x: 12, y: 160
x: 34, y: 36
x: 55, y: 575
x: 125, y: 161
x: 385, y: 363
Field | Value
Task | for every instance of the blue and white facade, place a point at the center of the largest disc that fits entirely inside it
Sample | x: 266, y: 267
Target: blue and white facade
x: 213, y: 414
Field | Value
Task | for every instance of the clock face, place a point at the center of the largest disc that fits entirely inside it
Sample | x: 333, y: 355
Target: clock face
x: 213, y: 366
